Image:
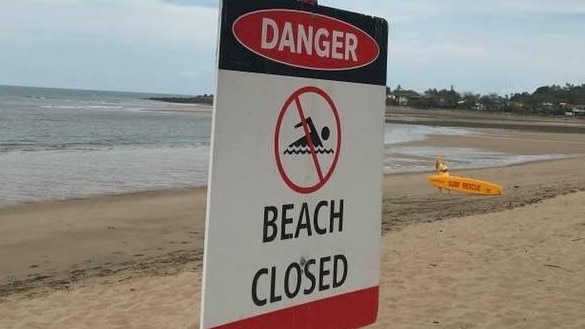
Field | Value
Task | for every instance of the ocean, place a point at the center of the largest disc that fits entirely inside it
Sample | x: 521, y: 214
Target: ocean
x: 62, y: 143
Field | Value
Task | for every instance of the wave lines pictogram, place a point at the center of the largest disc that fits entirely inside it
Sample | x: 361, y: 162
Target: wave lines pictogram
x: 305, y: 150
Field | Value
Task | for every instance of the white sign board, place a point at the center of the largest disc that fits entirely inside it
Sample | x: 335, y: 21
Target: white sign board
x: 294, y: 199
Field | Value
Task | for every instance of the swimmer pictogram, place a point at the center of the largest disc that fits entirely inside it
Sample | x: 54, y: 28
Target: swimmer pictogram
x: 301, y: 145
x: 307, y: 139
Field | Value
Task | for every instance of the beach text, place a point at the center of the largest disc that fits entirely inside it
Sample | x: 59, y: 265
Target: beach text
x: 289, y: 222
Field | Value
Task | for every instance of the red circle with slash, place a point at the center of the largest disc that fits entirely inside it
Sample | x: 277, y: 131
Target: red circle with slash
x: 322, y: 174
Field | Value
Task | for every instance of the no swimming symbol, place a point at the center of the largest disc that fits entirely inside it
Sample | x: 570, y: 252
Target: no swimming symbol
x: 314, y: 138
x: 307, y: 139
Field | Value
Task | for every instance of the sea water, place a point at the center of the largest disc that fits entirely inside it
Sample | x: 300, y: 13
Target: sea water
x: 399, y: 158
x: 60, y: 143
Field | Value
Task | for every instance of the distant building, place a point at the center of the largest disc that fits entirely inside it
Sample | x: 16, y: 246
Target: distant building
x: 403, y: 97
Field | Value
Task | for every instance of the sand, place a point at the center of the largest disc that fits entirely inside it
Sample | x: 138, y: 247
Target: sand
x: 522, y: 268
x: 448, y: 260
x: 56, y: 243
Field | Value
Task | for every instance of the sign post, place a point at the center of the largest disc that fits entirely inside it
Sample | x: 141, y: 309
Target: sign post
x: 295, y: 187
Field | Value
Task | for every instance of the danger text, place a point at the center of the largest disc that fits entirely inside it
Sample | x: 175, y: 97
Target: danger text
x: 300, y: 39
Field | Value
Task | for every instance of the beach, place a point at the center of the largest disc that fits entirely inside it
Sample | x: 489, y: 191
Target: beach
x: 447, y: 260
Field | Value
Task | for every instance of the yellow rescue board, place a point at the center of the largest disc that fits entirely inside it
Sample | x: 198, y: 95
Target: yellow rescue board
x: 465, y: 185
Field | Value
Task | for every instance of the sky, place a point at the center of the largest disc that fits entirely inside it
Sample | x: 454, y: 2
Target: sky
x: 168, y: 46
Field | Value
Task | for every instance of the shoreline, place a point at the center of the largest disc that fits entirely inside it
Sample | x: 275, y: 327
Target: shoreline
x: 510, y: 142
x: 23, y: 206
x: 159, y: 231
x: 448, y: 259
x: 59, y: 184
x: 162, y: 232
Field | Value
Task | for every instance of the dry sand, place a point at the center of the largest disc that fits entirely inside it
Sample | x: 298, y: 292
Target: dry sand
x: 522, y: 268
x: 448, y: 260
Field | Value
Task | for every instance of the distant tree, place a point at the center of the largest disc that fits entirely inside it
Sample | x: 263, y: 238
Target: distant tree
x: 546, y: 100
x: 469, y: 100
x: 491, y: 102
x: 449, y: 99
x: 199, y: 99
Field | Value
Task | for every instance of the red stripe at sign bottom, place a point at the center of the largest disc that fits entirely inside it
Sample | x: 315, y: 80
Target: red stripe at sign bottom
x: 352, y: 310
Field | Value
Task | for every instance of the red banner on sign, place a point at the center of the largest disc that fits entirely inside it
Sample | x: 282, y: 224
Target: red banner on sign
x: 352, y: 310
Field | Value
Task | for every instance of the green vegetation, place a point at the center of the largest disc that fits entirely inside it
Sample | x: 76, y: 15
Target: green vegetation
x: 546, y: 100
x: 199, y: 99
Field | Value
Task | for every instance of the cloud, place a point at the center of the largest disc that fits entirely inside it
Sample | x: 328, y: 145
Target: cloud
x: 413, y: 10
x: 201, y: 3
x: 543, y: 7
x: 132, y: 21
x: 107, y: 44
x: 169, y: 45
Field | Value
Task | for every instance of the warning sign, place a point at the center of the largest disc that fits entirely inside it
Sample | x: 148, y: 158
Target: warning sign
x: 294, y: 195
x: 307, y: 139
